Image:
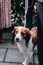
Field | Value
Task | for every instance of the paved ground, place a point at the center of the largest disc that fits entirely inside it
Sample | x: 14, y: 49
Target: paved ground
x: 10, y: 55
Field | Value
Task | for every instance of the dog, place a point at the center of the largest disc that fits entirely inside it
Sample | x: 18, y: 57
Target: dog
x: 20, y: 35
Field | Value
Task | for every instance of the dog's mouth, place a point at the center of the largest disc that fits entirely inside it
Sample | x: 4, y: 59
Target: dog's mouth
x: 17, y: 41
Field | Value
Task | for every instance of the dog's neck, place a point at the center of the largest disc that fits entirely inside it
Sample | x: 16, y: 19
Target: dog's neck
x: 21, y: 45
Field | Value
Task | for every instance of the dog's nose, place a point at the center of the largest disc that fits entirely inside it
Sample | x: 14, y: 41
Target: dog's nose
x: 17, y: 39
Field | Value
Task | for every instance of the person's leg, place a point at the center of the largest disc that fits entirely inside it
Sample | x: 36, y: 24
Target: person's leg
x: 40, y: 44
x: 29, y: 18
x: 28, y: 22
x: 40, y: 34
x: 1, y: 38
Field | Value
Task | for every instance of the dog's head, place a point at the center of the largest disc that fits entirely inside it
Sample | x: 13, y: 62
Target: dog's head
x: 20, y: 33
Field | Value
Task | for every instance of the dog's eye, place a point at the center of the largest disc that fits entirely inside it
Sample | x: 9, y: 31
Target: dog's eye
x: 22, y: 33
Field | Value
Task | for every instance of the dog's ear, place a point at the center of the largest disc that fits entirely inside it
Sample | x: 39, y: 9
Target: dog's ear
x: 28, y: 32
x: 27, y: 36
x: 13, y: 35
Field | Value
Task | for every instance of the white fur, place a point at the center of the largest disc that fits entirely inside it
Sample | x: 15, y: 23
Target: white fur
x: 18, y: 35
x: 29, y: 53
x: 22, y: 47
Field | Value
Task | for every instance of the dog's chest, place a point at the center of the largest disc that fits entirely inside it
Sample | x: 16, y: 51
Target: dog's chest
x: 22, y: 47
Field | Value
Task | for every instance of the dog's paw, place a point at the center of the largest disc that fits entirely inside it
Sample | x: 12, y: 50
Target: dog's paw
x: 24, y: 63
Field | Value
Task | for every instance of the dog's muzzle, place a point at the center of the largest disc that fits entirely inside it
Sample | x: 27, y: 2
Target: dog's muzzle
x: 17, y: 40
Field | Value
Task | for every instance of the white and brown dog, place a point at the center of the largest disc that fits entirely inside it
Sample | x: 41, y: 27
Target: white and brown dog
x: 21, y: 34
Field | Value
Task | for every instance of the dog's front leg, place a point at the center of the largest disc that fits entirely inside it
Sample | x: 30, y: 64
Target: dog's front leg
x: 26, y: 61
x: 31, y: 57
x: 28, y: 58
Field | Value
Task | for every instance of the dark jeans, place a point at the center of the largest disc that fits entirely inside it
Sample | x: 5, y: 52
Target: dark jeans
x: 29, y: 18
x: 40, y: 33
x: 1, y: 32
x: 29, y: 21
